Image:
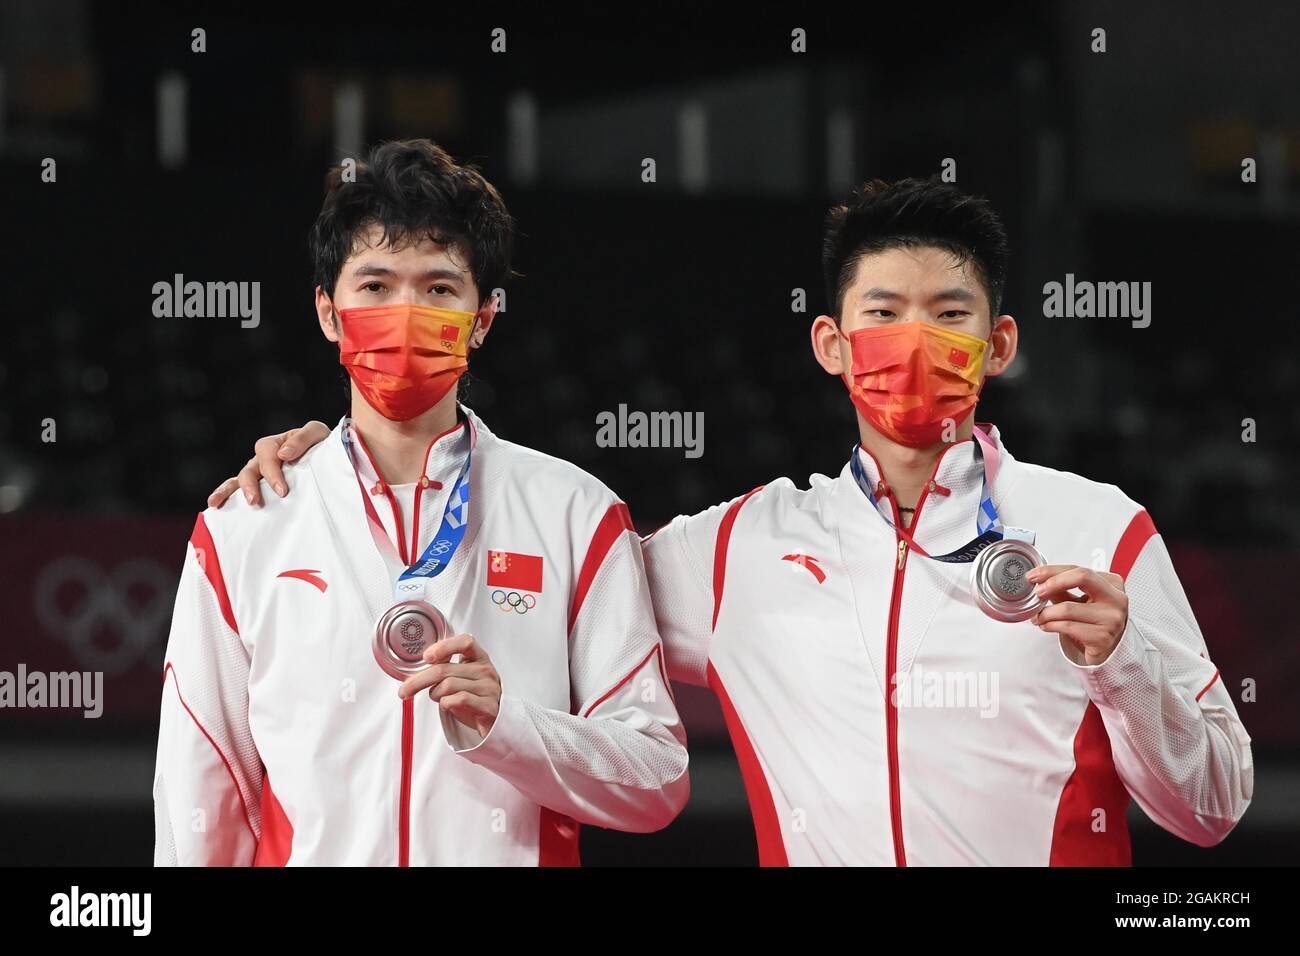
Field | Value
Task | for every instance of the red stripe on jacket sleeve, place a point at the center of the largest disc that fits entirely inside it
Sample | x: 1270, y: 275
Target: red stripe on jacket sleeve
x: 616, y: 520
x: 206, y: 552
x: 229, y: 770
x: 1209, y: 685
x: 1140, y: 530
x: 720, y: 551
x: 630, y: 674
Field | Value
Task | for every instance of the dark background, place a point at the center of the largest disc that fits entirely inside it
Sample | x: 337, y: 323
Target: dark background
x: 1115, y: 166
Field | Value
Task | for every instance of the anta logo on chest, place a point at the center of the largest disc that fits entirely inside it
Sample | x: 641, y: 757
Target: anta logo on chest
x: 809, y: 562
x: 515, y: 580
x: 310, y: 575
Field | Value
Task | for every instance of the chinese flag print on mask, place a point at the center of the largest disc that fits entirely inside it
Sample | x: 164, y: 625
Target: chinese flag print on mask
x: 909, y: 380
x: 404, y: 358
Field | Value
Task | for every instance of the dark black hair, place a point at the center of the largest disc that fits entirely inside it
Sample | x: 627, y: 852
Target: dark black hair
x: 910, y: 213
x: 414, y: 190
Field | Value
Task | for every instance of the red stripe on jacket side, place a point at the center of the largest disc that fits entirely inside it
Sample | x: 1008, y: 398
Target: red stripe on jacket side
x: 557, y: 840
x: 615, y: 521
x: 720, y: 551
x: 206, y: 552
x: 767, y: 828
x: 229, y: 770
x: 1095, y: 784
x: 557, y: 834
x: 277, y: 832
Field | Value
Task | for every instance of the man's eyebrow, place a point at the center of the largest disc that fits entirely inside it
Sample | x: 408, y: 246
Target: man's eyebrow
x: 957, y: 293
x: 444, y: 274
x: 877, y: 293
x: 371, y: 270
x: 368, y: 269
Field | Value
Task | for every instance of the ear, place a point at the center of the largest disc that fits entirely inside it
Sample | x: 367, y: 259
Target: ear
x: 1002, y: 345
x: 828, y: 345
x: 325, y: 314
x: 483, y: 321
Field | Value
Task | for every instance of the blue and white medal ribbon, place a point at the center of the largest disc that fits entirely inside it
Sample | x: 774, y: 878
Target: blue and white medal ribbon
x: 412, y: 624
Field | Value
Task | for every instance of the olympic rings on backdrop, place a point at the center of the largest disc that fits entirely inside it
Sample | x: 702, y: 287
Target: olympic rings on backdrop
x: 109, y: 619
x: 514, y: 601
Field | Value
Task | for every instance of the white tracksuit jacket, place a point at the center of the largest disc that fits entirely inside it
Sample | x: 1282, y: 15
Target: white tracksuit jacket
x: 998, y: 748
x: 282, y: 741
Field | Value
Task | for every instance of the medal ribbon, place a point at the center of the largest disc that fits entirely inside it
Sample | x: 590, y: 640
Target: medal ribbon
x: 437, y: 556
x: 988, y: 526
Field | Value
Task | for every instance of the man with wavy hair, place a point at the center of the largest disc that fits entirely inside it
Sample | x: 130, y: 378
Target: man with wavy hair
x: 440, y: 648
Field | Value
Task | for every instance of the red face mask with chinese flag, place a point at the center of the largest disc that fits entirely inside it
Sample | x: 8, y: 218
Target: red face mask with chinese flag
x: 912, y: 379
x: 404, y: 358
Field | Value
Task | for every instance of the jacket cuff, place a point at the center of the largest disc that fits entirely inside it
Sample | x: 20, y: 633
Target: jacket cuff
x: 1125, y: 666
x: 500, y: 741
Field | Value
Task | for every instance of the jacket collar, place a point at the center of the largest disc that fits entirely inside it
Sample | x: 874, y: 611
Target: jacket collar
x: 947, y: 508
x: 346, y: 506
x: 443, y: 457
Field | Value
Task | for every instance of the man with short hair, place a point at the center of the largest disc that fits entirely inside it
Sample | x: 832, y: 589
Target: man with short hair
x: 943, y: 655
x: 440, y: 648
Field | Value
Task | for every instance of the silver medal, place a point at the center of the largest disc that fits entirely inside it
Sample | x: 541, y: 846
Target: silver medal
x: 998, y: 580
x: 404, y: 632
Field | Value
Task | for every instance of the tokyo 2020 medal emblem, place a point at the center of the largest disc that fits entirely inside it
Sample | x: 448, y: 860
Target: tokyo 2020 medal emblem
x: 998, y: 581
x: 404, y: 632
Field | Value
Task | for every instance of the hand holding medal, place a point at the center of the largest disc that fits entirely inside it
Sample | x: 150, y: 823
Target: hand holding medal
x: 1093, y: 622
x: 461, y: 678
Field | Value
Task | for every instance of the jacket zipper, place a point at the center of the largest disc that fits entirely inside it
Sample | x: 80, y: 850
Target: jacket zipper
x: 408, y: 712
x: 891, y: 669
x: 408, y: 705
x: 404, y: 810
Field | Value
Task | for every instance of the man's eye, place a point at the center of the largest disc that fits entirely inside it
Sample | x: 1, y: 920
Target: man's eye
x: 442, y: 290
x: 374, y: 287
x: 954, y: 314
x: 881, y: 313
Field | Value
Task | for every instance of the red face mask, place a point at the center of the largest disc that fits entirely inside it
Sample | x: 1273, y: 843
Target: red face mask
x: 404, y: 358
x: 913, y: 379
